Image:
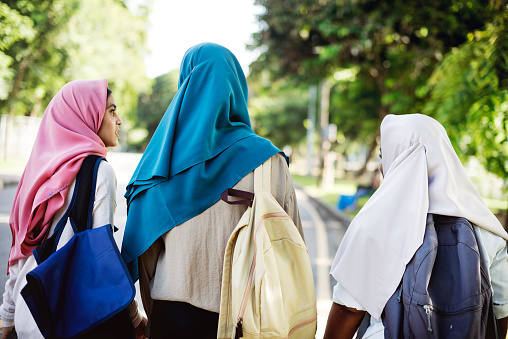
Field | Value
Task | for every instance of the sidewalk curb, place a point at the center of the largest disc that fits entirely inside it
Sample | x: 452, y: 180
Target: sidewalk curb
x: 344, y: 219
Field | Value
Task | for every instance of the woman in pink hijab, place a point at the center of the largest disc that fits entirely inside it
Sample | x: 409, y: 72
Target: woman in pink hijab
x: 80, y: 120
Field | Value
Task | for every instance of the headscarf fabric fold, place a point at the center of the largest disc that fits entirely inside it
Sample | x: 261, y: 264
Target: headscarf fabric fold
x: 67, y: 134
x: 203, y: 145
x: 422, y: 175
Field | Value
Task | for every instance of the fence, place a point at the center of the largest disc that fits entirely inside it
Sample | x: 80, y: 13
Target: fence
x: 17, y: 136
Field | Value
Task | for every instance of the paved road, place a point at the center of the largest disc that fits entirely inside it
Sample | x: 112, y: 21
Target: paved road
x: 323, y: 232
x: 6, y: 199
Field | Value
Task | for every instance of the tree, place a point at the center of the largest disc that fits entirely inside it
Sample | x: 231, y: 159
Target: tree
x: 36, y: 53
x: 153, y: 104
x: 392, y: 46
x: 110, y: 43
x: 469, y: 95
x: 13, y: 27
x: 56, y: 41
x: 278, y: 110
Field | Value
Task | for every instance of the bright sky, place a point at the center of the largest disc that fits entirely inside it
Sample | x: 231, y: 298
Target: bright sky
x: 175, y: 26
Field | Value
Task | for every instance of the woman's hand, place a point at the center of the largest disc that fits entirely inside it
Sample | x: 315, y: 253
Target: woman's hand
x: 6, y: 331
x: 140, y: 330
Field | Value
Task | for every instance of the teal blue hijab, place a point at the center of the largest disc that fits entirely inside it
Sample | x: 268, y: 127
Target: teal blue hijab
x: 203, y: 145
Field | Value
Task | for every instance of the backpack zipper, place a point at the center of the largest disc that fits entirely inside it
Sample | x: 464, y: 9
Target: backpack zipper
x: 429, y: 308
x: 427, y: 311
x: 399, y: 297
x: 238, y: 330
x: 243, y: 305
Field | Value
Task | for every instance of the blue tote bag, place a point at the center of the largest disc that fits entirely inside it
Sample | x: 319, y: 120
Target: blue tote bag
x: 86, y: 282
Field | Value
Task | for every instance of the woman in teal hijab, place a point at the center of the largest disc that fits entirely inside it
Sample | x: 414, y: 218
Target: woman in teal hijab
x: 203, y: 145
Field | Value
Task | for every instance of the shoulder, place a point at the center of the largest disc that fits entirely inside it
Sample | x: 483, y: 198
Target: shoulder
x: 492, y: 243
x: 105, y: 169
x: 106, y: 175
x: 279, y: 161
x: 280, y: 167
x: 281, y: 181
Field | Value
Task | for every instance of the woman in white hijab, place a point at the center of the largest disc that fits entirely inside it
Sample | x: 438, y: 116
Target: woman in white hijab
x: 422, y: 174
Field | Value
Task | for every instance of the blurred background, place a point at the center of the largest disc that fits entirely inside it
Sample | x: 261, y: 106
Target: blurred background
x: 322, y: 74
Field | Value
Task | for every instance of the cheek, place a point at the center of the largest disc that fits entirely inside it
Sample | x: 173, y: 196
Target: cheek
x: 107, y: 127
x: 110, y: 124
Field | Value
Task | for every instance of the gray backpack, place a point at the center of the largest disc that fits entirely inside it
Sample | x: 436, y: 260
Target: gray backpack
x: 445, y: 291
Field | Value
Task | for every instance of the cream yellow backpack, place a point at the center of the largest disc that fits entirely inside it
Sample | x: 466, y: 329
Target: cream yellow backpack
x: 267, y: 285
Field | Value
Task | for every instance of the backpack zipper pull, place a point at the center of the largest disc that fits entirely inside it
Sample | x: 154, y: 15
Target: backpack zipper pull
x: 238, y: 330
x: 400, y: 295
x: 427, y: 311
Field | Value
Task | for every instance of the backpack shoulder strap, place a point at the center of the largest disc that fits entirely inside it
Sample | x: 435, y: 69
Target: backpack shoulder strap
x: 81, y: 212
x: 262, y: 177
x: 262, y: 183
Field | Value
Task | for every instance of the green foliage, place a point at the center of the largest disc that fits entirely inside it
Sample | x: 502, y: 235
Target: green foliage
x: 153, y: 104
x: 115, y: 52
x: 46, y: 43
x: 13, y: 27
x: 469, y: 95
x: 278, y: 111
x: 312, y: 38
x: 353, y: 107
x: 393, y: 47
x: 36, y: 59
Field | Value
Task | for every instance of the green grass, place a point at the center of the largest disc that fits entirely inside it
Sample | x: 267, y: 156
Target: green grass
x: 330, y: 195
x: 12, y: 164
x: 496, y: 205
x: 304, y: 180
x: 340, y: 186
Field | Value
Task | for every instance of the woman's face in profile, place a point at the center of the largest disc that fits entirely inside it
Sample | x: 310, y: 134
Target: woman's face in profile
x: 110, y: 126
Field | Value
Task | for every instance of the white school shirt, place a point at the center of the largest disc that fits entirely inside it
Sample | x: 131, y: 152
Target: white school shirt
x: 496, y: 257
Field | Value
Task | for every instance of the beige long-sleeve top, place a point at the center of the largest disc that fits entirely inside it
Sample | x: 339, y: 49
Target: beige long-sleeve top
x: 185, y: 264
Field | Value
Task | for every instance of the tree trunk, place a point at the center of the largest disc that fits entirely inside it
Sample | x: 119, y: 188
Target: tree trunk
x: 382, y: 112
x: 311, y: 128
x: 371, y: 152
x: 326, y: 86
x: 10, y: 105
x: 13, y: 95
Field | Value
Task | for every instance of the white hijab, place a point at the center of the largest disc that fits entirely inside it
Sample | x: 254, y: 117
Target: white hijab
x: 422, y: 174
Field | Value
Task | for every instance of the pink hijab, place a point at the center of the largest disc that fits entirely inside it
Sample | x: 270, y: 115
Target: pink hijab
x: 67, y: 134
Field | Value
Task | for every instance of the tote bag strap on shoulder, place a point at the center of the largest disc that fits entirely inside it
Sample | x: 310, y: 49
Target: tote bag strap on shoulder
x: 80, y: 208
